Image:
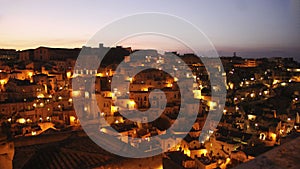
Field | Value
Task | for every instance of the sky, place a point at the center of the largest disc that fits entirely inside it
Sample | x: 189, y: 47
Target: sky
x: 252, y: 28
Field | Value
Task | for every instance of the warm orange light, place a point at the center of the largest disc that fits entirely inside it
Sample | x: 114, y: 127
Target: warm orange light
x: 72, y: 119
x: 33, y: 133
x: 160, y: 167
x: 21, y: 120
x: 212, y: 105
x: 114, y: 109
x: 227, y: 160
x: 283, y: 84
x: 132, y: 103
x: 203, y: 151
x: 30, y: 74
x: 40, y: 96
x: 169, y: 85
x: 275, y: 82
x: 69, y: 74
x: 75, y: 93
x: 130, y: 79
x: 197, y: 94
x: 3, y: 81
x: 103, y: 130
x: 145, y: 89
x: 273, y: 135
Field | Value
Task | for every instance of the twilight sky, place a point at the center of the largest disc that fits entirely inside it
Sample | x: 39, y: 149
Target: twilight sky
x: 250, y: 27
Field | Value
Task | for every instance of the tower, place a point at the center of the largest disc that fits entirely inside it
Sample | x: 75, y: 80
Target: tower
x: 234, y: 54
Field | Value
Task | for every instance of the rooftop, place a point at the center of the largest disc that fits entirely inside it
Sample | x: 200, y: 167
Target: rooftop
x: 284, y: 156
x: 74, y: 152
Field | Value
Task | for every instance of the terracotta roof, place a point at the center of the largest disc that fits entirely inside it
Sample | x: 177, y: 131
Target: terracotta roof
x: 75, y: 152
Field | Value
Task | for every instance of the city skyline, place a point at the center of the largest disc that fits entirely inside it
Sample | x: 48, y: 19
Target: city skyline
x: 45, y: 110
x: 251, y: 28
x: 181, y: 52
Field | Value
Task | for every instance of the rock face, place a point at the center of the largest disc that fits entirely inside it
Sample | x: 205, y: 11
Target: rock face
x: 284, y: 156
x: 6, y: 153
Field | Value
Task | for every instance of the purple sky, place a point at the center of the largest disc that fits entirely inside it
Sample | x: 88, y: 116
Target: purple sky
x: 250, y: 27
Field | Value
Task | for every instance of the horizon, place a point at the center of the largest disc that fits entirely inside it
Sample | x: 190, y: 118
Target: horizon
x: 221, y: 53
